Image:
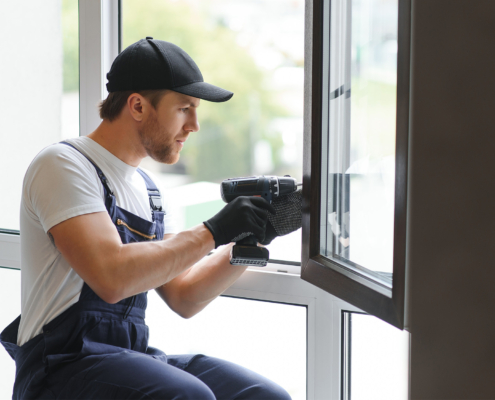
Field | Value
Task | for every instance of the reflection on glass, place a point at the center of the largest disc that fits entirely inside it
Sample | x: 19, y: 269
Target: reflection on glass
x: 268, y: 338
x: 361, y: 134
x: 10, y: 303
x: 42, y: 83
x: 378, y: 359
x: 254, y: 48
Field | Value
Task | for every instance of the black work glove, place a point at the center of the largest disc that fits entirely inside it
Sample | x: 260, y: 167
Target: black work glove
x: 242, y: 217
x: 288, y: 217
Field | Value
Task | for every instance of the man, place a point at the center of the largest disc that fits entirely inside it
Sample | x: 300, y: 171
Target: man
x: 96, y: 237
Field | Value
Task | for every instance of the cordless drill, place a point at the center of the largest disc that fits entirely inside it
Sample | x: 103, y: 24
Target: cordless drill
x: 246, y: 251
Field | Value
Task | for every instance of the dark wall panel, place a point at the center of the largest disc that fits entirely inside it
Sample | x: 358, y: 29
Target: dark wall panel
x: 451, y: 246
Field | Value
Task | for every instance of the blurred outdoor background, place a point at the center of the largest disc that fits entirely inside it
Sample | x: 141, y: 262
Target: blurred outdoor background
x: 255, y: 49
x: 252, y: 47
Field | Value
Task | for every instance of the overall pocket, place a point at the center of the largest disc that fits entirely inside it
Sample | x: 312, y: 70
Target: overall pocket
x: 133, y: 228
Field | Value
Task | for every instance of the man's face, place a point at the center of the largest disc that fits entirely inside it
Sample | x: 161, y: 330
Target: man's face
x: 165, y: 129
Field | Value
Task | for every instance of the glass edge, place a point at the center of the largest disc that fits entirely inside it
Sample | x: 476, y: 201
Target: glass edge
x: 10, y: 232
x: 345, y: 349
x: 358, y: 271
x: 11, y: 268
x: 120, y: 25
x: 285, y: 262
x: 288, y: 303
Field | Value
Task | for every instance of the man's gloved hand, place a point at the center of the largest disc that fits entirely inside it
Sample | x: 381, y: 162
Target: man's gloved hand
x: 288, y: 217
x: 242, y: 217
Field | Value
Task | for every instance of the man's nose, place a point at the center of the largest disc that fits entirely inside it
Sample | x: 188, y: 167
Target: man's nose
x: 192, y: 124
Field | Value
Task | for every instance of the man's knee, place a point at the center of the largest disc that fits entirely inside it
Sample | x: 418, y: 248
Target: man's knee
x: 195, y: 390
x: 228, y: 380
x: 84, y: 389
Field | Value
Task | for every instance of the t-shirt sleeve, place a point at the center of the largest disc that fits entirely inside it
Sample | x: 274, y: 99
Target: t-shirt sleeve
x: 61, y: 184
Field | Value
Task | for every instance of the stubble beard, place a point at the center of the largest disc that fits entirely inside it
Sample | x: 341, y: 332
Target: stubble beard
x: 153, y: 140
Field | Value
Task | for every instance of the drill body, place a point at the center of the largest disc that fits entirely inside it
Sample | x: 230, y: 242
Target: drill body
x: 246, y: 251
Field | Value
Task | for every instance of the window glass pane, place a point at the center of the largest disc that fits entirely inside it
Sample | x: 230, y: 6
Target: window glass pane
x: 254, y: 48
x: 40, y: 84
x: 10, y: 300
x: 360, y: 148
x: 378, y: 359
x: 268, y: 338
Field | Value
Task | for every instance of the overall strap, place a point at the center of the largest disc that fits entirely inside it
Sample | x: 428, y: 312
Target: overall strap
x: 100, y: 173
x: 153, y: 193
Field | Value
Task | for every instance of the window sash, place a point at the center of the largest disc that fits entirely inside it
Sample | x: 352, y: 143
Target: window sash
x: 359, y: 289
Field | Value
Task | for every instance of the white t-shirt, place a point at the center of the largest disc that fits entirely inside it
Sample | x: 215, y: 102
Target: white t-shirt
x: 60, y: 184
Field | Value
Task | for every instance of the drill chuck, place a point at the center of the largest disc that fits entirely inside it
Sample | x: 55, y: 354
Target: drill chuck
x: 268, y: 187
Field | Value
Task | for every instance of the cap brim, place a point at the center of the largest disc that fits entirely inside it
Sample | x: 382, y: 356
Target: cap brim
x: 204, y: 91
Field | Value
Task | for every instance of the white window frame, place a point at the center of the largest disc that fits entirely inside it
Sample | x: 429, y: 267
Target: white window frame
x: 98, y: 46
x: 10, y: 251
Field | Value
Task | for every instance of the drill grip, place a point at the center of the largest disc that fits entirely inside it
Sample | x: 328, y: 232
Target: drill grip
x: 247, y: 252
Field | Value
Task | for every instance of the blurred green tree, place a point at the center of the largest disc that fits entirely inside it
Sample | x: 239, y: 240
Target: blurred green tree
x: 70, y: 35
x: 223, y: 147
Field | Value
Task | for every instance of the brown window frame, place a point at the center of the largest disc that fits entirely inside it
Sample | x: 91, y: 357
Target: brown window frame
x: 360, y: 290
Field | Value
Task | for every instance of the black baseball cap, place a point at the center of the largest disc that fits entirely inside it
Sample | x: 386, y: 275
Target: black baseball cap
x: 156, y: 64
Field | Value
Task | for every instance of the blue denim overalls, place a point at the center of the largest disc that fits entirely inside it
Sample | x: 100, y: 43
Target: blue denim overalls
x: 96, y: 350
x: 91, y: 326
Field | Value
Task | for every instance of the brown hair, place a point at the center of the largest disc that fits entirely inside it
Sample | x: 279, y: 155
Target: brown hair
x: 112, y: 106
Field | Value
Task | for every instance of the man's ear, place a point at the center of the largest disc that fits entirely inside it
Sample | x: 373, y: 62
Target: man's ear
x: 137, y: 104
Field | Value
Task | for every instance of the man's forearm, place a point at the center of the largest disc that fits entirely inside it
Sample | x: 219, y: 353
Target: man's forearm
x: 115, y: 270
x: 194, y: 289
x: 145, y: 266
